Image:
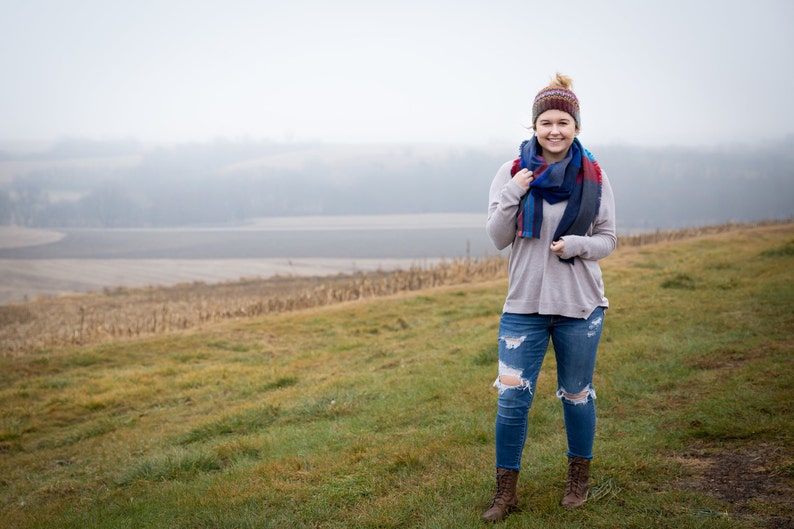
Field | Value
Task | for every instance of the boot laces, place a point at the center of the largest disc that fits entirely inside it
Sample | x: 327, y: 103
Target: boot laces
x: 503, y: 489
x: 575, y: 475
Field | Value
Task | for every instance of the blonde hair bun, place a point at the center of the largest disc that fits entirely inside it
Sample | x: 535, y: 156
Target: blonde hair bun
x: 561, y: 81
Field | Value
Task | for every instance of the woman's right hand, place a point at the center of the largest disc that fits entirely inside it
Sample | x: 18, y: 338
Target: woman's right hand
x: 523, y: 178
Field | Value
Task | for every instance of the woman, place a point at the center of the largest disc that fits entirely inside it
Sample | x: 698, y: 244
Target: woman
x: 555, y: 207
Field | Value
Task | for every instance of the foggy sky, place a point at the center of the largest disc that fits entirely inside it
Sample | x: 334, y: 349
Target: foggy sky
x: 682, y: 72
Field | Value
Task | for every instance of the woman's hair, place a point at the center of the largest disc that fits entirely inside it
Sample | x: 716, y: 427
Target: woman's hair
x: 557, y: 96
x: 561, y: 81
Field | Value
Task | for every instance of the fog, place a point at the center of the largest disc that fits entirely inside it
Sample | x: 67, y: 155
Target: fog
x: 163, y: 114
x: 681, y: 72
x: 86, y: 184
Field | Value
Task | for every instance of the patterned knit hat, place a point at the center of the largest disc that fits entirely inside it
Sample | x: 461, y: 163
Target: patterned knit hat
x: 556, y: 98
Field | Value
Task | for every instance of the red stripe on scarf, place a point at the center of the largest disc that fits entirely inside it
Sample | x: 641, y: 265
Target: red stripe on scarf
x: 516, y: 167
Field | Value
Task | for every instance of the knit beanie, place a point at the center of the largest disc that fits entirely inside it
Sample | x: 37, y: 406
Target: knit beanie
x: 556, y: 98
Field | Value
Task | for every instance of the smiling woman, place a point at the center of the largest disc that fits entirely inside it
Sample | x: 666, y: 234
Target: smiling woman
x: 554, y: 207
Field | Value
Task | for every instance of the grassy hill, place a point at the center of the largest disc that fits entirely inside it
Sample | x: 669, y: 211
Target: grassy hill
x: 379, y: 412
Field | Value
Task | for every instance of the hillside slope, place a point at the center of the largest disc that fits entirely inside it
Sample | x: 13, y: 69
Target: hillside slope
x: 379, y: 412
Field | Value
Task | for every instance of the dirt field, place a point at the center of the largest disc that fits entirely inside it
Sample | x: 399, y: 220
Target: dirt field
x: 41, y: 263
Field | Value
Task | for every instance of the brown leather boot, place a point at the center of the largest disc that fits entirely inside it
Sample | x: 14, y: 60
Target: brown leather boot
x: 577, y: 483
x: 505, y: 499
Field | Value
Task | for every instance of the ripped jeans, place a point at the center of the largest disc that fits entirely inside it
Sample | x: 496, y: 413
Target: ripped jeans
x: 523, y: 341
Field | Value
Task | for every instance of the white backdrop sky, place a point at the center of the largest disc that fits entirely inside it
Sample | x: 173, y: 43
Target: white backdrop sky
x: 684, y: 72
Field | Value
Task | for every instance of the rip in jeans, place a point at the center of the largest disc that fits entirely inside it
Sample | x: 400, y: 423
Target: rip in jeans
x: 580, y: 398
x: 511, y: 378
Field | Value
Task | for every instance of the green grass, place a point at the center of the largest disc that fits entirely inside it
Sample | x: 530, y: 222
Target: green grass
x: 379, y: 413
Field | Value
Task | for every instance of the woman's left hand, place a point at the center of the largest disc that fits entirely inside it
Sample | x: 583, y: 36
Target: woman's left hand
x: 558, y: 247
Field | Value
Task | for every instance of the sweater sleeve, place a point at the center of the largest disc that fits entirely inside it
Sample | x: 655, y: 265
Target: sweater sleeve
x: 601, y: 239
x: 504, y: 197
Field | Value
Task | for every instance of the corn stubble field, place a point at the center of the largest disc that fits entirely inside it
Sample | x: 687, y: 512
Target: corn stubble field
x: 126, y: 312
x: 365, y: 401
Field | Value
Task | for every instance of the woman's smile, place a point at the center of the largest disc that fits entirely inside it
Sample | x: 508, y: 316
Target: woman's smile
x: 555, y: 131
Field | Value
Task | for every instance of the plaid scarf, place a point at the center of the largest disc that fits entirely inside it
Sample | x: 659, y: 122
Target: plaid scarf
x: 577, y: 178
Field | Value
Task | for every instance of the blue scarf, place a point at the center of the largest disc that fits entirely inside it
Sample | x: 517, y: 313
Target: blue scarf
x: 577, y: 179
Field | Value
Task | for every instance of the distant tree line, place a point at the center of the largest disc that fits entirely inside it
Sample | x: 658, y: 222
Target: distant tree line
x: 227, y: 182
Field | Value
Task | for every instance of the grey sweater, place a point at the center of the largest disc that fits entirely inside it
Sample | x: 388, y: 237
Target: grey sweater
x: 539, y: 281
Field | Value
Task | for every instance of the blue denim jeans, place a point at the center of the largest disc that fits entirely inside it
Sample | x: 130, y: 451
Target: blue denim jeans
x: 523, y: 341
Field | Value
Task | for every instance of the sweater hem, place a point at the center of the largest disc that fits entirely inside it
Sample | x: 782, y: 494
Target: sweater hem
x: 568, y: 311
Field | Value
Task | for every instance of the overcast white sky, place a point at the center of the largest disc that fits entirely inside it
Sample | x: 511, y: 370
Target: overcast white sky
x: 686, y: 72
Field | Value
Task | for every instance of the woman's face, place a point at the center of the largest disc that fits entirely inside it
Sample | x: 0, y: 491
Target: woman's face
x: 555, y: 131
